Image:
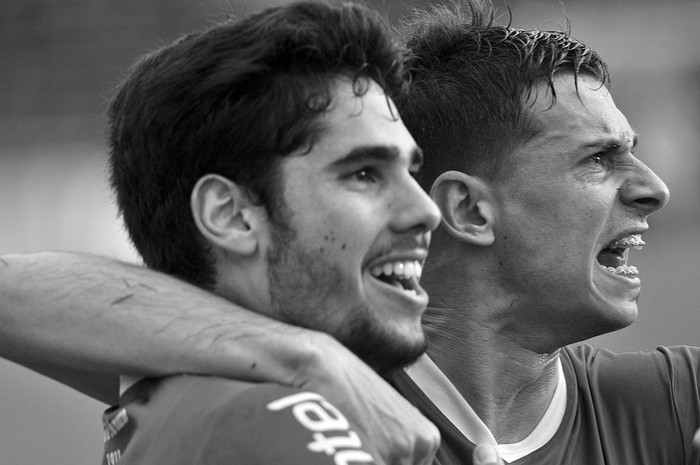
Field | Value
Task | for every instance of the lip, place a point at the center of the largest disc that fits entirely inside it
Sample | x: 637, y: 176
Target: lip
x: 417, y: 301
x: 411, y: 302
x: 629, y: 232
x: 631, y: 283
x: 418, y: 254
x: 616, y: 294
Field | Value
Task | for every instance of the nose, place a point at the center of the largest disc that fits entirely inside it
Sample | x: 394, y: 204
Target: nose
x: 415, y: 210
x: 645, y: 191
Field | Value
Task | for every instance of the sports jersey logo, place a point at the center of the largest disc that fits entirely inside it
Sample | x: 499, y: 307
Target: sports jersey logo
x: 115, y: 422
x: 321, y: 418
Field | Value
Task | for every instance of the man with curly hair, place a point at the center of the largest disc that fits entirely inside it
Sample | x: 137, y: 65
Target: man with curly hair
x: 542, y: 198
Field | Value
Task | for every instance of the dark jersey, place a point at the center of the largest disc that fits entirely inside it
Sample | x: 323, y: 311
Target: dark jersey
x: 622, y: 409
x: 189, y: 420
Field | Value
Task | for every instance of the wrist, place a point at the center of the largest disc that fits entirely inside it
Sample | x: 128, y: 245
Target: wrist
x: 273, y: 352
x: 316, y: 358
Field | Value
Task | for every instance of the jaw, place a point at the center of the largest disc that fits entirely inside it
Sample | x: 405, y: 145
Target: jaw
x: 615, y: 283
x: 615, y: 295
x: 397, y: 309
x: 394, y: 286
x: 395, y: 297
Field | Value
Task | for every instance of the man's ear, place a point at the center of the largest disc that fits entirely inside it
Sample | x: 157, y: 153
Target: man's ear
x: 225, y: 215
x: 466, y: 206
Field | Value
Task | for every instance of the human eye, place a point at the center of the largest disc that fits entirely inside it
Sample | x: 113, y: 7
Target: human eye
x: 604, y: 160
x: 366, y: 175
x: 595, y: 167
x: 599, y: 159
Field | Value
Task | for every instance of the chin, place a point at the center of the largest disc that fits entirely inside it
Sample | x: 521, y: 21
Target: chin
x: 616, y: 300
x: 384, y: 349
x: 626, y: 316
x: 612, y: 318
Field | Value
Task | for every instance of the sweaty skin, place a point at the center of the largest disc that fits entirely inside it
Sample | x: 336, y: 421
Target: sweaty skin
x: 515, y: 275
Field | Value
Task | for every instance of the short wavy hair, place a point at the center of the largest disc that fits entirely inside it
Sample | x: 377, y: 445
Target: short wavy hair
x: 233, y: 99
x: 471, y: 80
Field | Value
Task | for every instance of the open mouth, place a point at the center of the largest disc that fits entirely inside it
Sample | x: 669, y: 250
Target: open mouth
x: 614, y: 257
x: 402, y: 274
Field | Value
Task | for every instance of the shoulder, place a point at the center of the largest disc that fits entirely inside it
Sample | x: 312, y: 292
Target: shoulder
x: 585, y: 355
x: 663, y: 373
x: 650, y: 400
x: 214, y: 420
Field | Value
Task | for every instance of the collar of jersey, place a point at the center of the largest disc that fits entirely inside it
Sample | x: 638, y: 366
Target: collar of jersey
x: 125, y: 382
x: 445, y: 396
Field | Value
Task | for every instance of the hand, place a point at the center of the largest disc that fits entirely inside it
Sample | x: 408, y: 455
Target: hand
x: 146, y: 323
x: 486, y: 454
x: 400, y: 433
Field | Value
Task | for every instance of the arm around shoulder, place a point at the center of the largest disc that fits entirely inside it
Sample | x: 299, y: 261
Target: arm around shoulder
x: 69, y: 314
x: 66, y: 315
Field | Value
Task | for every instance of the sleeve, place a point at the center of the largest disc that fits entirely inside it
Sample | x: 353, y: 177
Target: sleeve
x: 684, y: 367
x: 212, y: 421
x: 643, y: 405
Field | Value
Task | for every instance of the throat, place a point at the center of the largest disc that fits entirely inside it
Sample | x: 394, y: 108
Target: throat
x: 507, y: 413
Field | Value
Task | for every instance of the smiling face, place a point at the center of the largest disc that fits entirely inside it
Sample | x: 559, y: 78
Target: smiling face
x: 350, y: 236
x: 573, y: 199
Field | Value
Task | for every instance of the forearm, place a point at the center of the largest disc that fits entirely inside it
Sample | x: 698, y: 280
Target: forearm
x: 83, y: 320
x: 65, y: 314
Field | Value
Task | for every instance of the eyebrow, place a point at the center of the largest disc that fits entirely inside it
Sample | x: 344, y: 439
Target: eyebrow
x: 613, y: 144
x: 381, y: 153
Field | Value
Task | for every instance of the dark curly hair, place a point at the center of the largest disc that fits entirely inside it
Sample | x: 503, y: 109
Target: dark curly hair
x: 233, y: 99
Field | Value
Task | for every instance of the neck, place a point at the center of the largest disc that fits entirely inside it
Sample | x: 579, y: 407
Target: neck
x: 483, y: 352
x: 508, y: 388
x: 486, y: 341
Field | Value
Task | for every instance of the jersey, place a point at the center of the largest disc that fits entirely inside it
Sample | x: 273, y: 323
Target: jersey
x: 186, y: 420
x: 621, y: 409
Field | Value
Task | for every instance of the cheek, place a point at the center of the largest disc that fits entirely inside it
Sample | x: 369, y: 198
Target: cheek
x: 340, y: 229
x: 553, y: 207
x: 540, y: 224
x: 333, y: 241
x: 336, y: 237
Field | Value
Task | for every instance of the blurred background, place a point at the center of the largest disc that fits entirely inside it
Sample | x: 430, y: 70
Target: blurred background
x: 59, y: 62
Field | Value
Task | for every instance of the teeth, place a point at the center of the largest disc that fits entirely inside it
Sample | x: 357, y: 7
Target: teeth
x: 623, y: 270
x: 399, y: 269
x: 634, y: 241
x: 621, y: 248
x: 387, y: 269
